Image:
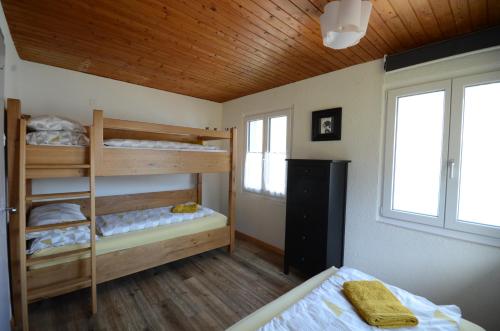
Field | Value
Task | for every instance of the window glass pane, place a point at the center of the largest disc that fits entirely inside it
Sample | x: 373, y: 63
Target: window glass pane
x: 275, y: 179
x: 418, y: 150
x: 479, y: 183
x: 253, y: 171
x: 253, y: 159
x: 255, y: 133
x: 276, y: 173
x: 277, y: 135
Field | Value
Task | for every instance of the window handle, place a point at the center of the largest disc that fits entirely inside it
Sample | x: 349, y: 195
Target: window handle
x: 451, y: 168
x: 9, y: 210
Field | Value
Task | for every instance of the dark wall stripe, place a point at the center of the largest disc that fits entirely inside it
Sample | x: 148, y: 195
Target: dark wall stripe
x: 455, y: 46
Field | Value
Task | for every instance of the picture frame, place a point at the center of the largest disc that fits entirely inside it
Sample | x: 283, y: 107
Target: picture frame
x: 327, y: 124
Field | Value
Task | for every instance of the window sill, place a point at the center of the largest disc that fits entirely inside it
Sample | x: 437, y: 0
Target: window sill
x: 264, y: 196
x: 464, y: 236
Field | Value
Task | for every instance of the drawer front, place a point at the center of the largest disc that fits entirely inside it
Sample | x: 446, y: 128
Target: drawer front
x: 307, y: 191
x: 307, y: 216
x: 305, y: 257
x: 308, y: 184
x: 309, y: 170
x: 310, y: 238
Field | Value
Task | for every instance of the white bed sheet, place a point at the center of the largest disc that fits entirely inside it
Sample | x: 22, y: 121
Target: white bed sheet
x: 263, y: 315
x: 118, y: 223
x: 159, y: 145
x: 171, y: 149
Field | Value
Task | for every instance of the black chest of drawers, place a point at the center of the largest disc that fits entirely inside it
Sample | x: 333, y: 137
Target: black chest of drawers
x: 315, y: 214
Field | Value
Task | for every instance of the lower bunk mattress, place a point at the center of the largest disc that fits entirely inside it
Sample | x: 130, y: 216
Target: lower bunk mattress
x: 132, y: 239
x: 264, y: 315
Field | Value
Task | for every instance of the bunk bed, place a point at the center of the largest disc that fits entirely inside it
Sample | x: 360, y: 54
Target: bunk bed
x: 63, y: 269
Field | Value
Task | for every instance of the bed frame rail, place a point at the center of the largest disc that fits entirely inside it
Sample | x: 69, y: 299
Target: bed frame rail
x: 130, y: 161
x: 128, y: 261
x: 171, y: 130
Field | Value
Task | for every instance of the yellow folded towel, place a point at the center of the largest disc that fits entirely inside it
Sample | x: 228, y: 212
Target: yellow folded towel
x: 377, y: 305
x: 185, y: 208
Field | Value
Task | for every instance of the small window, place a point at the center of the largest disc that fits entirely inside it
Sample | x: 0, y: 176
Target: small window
x: 442, y: 155
x: 267, y: 147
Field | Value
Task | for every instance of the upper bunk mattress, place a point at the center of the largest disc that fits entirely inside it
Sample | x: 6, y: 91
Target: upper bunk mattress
x: 159, y: 144
x: 138, y: 238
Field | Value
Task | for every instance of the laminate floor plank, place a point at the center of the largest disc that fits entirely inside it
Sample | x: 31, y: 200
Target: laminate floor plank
x: 210, y: 291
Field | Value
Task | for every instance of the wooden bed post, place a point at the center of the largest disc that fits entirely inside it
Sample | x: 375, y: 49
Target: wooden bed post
x: 199, y: 188
x: 98, y: 136
x: 21, y: 212
x: 93, y: 264
x: 13, y: 115
x: 231, y: 206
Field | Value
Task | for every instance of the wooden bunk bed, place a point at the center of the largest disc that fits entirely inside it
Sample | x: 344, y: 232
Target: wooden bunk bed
x: 89, y: 268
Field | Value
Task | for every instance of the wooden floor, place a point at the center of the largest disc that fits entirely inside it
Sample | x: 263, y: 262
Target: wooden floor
x: 210, y: 291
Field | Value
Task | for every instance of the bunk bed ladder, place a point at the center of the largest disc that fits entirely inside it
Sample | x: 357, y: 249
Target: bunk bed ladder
x: 25, y: 200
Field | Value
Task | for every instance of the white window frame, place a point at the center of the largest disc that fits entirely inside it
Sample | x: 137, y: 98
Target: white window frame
x: 456, y: 126
x: 391, y: 132
x: 446, y: 222
x: 266, y: 117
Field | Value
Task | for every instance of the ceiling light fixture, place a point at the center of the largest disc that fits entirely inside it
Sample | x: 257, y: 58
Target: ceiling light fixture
x: 344, y: 22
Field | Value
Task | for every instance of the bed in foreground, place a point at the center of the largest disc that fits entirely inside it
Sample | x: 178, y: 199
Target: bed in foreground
x: 265, y: 314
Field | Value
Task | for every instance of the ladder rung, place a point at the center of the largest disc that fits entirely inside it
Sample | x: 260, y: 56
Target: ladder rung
x: 66, y: 195
x: 57, y: 166
x: 56, y: 226
x: 41, y: 259
x: 59, y: 288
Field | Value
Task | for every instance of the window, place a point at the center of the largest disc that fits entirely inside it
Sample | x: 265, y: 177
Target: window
x: 442, y: 155
x: 267, y: 147
x: 474, y: 177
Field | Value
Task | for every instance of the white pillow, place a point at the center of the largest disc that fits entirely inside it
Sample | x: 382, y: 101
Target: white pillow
x: 54, y: 123
x: 55, y: 213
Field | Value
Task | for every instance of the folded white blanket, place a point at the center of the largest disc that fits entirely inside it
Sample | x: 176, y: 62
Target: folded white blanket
x: 57, y: 138
x: 60, y: 237
x: 326, y: 308
x: 108, y: 225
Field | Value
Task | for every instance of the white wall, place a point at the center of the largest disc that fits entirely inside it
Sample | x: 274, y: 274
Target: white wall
x: 443, y: 269
x: 49, y: 90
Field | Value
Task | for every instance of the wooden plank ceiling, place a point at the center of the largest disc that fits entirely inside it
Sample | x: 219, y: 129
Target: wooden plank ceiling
x: 222, y: 49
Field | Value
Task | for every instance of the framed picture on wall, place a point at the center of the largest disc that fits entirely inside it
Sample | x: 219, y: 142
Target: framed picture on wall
x: 326, y: 124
